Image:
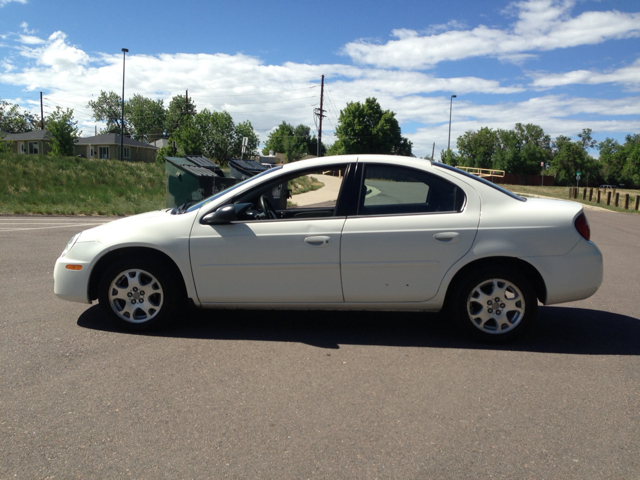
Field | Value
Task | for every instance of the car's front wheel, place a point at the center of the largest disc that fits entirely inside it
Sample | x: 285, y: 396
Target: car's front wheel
x: 494, y: 305
x: 137, y: 294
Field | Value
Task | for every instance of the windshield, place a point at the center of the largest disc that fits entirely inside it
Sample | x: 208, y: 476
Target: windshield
x: 202, y: 203
x: 480, y: 179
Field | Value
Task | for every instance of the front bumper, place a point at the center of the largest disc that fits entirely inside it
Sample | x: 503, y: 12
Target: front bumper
x: 73, y: 285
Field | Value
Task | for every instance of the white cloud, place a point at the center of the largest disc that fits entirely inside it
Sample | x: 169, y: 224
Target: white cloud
x: 268, y: 94
x: 240, y: 84
x: 5, y: 2
x: 541, y: 25
x: 55, y: 52
x: 25, y: 28
x: 30, y: 40
x: 628, y: 76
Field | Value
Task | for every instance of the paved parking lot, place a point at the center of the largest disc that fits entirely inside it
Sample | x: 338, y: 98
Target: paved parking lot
x: 245, y: 394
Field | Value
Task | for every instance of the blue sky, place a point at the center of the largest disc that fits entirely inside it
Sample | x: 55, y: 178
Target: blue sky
x: 562, y: 64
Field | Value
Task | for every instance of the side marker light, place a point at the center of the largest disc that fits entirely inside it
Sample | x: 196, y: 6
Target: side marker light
x: 74, y: 267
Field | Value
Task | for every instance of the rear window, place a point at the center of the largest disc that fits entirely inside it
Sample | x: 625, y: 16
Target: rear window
x: 480, y: 179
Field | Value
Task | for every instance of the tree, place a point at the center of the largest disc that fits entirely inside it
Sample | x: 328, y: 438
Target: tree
x: 476, y: 149
x: 188, y: 137
x: 147, y: 118
x: 284, y: 140
x: 218, y: 134
x: 366, y: 128
x: 611, y: 160
x: 63, y: 131
x: 245, y: 129
x: 177, y: 110
x: 570, y: 157
x: 585, y: 138
x: 631, y: 172
x: 519, y: 151
x: 621, y: 163
x: 449, y: 157
x: 108, y: 108
x: 12, y: 120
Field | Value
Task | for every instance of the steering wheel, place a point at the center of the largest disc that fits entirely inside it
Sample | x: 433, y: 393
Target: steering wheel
x: 267, y: 208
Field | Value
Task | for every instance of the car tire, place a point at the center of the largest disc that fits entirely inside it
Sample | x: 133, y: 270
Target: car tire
x: 138, y: 294
x: 494, y: 305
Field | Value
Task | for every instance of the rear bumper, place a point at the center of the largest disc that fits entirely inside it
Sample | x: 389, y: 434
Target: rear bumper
x: 574, y: 276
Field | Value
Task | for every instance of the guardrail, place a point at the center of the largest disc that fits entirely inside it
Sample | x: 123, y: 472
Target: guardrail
x: 482, y: 172
x: 608, y: 194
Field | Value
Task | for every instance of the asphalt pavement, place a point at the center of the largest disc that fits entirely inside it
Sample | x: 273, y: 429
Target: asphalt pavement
x: 254, y: 394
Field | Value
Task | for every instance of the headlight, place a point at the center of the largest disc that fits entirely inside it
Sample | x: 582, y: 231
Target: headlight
x: 71, y: 243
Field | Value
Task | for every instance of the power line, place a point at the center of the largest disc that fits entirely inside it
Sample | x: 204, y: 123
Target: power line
x: 259, y: 93
x: 270, y: 101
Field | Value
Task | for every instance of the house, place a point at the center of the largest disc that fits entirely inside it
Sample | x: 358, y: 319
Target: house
x: 161, y: 142
x: 36, y: 142
x: 107, y: 146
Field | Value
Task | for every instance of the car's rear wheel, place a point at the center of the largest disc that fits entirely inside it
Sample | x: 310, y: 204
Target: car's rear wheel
x: 494, y: 305
x: 138, y: 294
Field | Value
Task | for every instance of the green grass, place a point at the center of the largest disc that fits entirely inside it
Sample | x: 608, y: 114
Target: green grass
x: 563, y: 194
x: 32, y: 184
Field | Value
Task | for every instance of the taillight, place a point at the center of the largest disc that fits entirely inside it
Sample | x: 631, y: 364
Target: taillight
x: 582, y: 225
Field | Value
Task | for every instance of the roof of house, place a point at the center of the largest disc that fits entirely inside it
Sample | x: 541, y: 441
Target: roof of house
x: 111, y: 139
x: 32, y: 135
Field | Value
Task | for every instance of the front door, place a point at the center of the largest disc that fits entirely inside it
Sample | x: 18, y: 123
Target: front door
x: 271, y: 261
x: 290, y: 254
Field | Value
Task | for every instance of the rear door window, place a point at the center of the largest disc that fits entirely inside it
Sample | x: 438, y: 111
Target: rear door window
x: 394, y: 190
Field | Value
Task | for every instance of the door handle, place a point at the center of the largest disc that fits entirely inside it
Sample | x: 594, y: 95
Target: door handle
x: 319, y: 241
x: 447, y: 237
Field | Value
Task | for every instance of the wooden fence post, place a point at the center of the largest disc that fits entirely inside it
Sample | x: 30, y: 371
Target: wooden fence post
x: 617, y: 198
x: 609, y: 197
x: 584, y: 193
x: 626, y: 201
x: 598, y: 196
x: 637, y: 201
x: 590, y: 193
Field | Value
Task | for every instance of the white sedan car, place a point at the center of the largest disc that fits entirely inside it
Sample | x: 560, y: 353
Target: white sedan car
x: 383, y: 233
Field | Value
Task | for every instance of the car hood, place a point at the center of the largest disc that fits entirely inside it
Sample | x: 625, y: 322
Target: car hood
x: 151, y: 228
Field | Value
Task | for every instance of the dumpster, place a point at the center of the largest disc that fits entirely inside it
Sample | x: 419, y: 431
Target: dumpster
x: 204, y: 162
x: 189, y: 182
x: 243, y: 169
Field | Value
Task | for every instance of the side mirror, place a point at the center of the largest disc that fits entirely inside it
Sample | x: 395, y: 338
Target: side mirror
x: 224, y: 215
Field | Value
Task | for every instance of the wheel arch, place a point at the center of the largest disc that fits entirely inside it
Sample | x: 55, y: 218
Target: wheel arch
x: 101, y: 266
x: 537, y: 282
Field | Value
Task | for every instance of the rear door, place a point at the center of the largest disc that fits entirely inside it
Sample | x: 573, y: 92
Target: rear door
x: 409, y: 228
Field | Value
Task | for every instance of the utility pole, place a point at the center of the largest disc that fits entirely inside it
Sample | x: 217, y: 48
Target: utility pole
x: 320, y: 113
x: 41, y: 113
x: 124, y: 53
x: 433, y: 150
x: 450, y: 110
x: 186, y: 96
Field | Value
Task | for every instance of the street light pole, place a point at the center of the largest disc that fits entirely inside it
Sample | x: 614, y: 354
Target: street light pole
x: 124, y: 52
x: 450, y: 109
